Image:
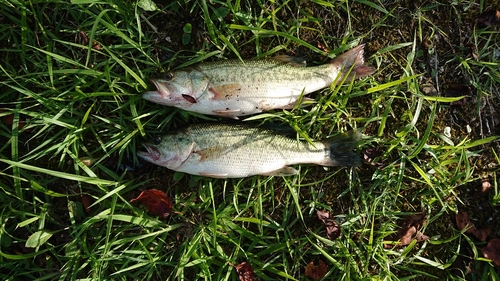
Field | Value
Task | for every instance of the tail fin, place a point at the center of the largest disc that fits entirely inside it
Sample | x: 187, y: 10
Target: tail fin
x: 352, y: 64
x: 341, y: 150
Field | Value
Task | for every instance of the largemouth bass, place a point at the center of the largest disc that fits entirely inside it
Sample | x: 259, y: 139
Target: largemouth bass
x: 232, y: 88
x: 236, y: 151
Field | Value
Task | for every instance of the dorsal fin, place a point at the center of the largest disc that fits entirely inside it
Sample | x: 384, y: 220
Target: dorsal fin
x: 295, y: 61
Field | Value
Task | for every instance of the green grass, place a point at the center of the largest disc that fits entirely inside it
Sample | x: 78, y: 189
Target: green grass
x: 71, y: 74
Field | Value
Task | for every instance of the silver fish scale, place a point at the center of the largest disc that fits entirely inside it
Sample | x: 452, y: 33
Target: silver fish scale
x: 269, y: 73
x: 244, y: 150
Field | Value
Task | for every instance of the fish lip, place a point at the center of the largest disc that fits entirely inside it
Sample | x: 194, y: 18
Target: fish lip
x: 160, y: 89
x: 151, y: 152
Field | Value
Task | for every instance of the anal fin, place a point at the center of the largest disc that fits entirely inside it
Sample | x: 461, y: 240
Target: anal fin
x: 305, y: 101
x: 285, y: 171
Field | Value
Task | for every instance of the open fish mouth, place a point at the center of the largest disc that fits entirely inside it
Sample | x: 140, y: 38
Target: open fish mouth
x: 161, y: 91
x: 151, y: 152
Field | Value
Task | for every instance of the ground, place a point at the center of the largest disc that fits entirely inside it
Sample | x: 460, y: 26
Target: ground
x: 73, y: 119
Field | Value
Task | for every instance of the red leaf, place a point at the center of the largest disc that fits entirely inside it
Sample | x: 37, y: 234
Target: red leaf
x: 245, y: 271
x: 156, y: 201
x: 8, y: 120
x: 482, y: 233
x: 316, y: 272
x: 332, y: 227
x: 86, y: 202
x: 463, y: 221
x: 492, y: 251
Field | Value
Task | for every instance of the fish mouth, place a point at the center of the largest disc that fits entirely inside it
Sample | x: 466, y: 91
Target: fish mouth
x: 161, y: 90
x: 151, y: 154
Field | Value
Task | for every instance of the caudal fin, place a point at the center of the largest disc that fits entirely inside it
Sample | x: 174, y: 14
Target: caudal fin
x: 341, y: 150
x: 352, y: 64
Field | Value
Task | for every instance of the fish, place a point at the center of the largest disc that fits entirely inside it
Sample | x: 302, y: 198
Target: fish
x: 234, y: 88
x: 220, y: 150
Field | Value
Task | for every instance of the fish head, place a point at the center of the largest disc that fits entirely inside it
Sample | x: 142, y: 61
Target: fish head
x: 177, y: 88
x: 166, y: 151
x: 157, y: 153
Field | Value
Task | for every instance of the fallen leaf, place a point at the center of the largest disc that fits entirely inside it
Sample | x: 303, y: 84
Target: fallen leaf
x: 409, y: 231
x: 420, y: 237
x: 147, y: 5
x: 86, y: 200
x: 473, y: 52
x: 316, y: 272
x: 322, y: 47
x: 83, y: 39
x: 9, y: 120
x: 487, y: 18
x: 245, y: 271
x: 156, y: 201
x: 492, y: 251
x: 463, y: 221
x: 38, y: 238
x: 332, y: 227
x: 482, y: 234
x: 87, y: 161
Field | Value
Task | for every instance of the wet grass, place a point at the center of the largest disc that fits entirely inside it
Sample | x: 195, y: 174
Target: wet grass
x: 72, y: 120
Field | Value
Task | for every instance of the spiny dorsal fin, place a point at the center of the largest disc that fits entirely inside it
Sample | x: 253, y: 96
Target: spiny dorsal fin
x: 295, y: 61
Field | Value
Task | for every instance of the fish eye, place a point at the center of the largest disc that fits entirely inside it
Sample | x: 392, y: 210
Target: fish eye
x: 169, y: 76
x: 157, y: 140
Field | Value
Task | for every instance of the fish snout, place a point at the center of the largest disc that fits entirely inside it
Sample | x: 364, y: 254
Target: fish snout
x: 151, y: 152
x: 160, y: 88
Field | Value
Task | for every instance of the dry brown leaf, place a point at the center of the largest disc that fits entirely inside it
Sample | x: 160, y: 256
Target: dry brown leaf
x: 492, y: 251
x: 8, y: 120
x: 332, y: 227
x: 482, y: 234
x: 463, y: 221
x: 316, y: 272
x: 487, y: 18
x: 409, y: 231
x: 86, y: 200
x: 245, y: 271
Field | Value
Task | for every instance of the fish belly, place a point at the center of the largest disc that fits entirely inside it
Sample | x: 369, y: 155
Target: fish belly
x: 245, y: 91
x: 252, y: 156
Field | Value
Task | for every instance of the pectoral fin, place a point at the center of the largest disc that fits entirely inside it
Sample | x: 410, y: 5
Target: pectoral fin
x: 225, y: 92
x: 184, y: 155
x: 209, y: 152
x: 285, y: 171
